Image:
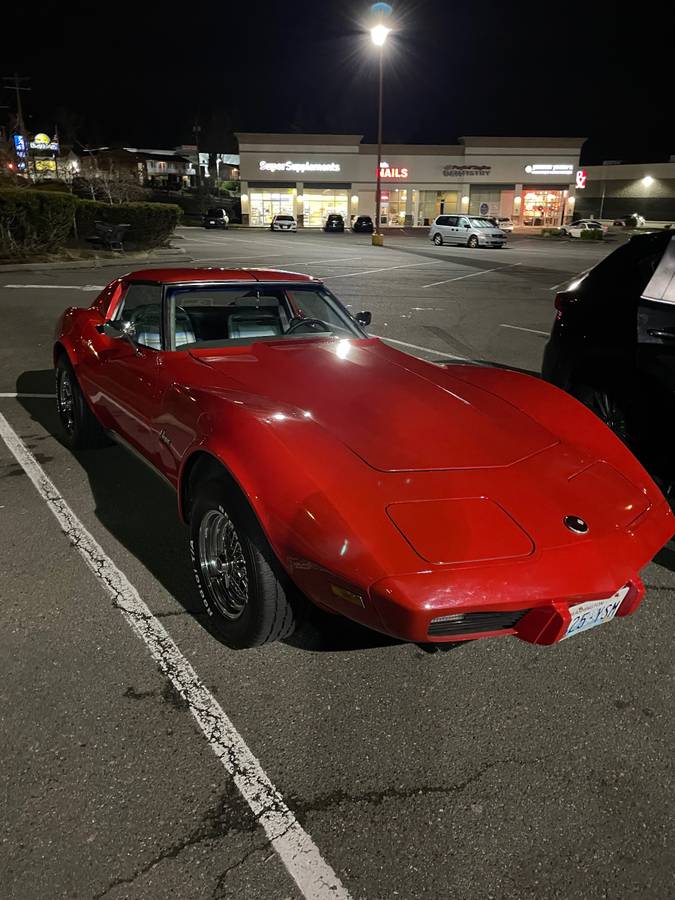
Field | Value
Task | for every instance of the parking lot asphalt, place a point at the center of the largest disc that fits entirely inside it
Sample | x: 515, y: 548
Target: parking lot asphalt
x: 494, y: 769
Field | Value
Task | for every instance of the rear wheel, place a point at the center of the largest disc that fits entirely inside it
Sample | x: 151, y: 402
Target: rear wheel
x: 80, y: 428
x: 244, y: 591
x: 473, y: 242
x: 438, y: 240
x: 608, y: 406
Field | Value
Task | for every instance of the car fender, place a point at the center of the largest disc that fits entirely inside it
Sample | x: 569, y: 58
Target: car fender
x: 562, y: 415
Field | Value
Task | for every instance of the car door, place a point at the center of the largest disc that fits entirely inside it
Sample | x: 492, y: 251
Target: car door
x: 132, y: 373
x: 453, y: 229
x: 656, y: 323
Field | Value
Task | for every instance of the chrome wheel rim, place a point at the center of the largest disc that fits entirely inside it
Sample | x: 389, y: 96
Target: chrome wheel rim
x: 222, y: 564
x: 611, y: 414
x: 66, y: 400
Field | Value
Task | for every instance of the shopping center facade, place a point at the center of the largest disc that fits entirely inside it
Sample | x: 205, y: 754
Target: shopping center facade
x: 309, y: 176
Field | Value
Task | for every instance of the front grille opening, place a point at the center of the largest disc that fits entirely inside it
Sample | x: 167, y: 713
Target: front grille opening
x: 469, y: 623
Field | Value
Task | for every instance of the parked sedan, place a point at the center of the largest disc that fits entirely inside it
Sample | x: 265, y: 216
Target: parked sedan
x: 632, y: 220
x: 334, y: 222
x: 363, y: 224
x: 471, y: 231
x: 216, y: 217
x: 283, y: 223
x: 574, y: 229
x: 313, y: 462
x: 613, y: 346
x: 504, y: 224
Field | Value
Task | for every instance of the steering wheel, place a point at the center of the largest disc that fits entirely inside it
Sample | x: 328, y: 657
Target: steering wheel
x: 298, y: 323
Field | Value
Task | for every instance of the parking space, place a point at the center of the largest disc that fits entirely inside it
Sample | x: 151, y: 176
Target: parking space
x: 472, y: 773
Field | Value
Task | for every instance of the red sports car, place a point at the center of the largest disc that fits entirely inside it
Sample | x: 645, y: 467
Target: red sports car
x: 432, y: 503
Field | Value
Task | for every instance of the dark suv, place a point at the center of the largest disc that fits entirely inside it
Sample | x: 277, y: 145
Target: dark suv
x: 334, y: 222
x: 363, y: 223
x: 613, y: 346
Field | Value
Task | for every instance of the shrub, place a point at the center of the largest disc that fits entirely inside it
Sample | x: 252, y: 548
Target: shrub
x: 551, y: 232
x: 591, y: 234
x: 53, y: 186
x: 151, y: 223
x: 34, y: 221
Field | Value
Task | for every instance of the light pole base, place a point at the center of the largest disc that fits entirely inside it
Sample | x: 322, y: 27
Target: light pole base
x: 378, y: 240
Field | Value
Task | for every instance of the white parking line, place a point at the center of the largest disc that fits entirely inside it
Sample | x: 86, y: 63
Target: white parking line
x: 417, y: 347
x: 292, y: 262
x: 520, y: 328
x: 299, y: 854
x: 11, y: 396
x: 472, y: 275
x: 385, y: 269
x: 59, y: 287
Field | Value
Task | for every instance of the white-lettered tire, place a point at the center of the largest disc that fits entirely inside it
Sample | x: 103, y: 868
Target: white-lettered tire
x: 80, y: 428
x: 243, y: 589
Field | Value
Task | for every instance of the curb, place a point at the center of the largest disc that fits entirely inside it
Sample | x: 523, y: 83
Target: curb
x: 97, y: 262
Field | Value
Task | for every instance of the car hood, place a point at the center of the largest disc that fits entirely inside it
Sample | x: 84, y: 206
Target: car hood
x: 395, y: 412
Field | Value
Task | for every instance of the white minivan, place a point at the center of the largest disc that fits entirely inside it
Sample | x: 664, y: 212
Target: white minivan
x: 471, y: 231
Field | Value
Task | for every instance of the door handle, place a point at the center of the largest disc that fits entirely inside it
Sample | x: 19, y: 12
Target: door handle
x: 664, y: 335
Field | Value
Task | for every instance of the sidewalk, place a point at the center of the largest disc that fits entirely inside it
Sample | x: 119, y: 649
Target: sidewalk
x: 101, y: 259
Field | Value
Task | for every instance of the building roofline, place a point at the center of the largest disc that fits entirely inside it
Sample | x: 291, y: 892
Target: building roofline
x: 415, y: 149
x: 311, y: 139
x: 572, y: 143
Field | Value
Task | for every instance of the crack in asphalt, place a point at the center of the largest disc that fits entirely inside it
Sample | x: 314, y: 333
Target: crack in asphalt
x: 324, y: 802
x: 215, y: 825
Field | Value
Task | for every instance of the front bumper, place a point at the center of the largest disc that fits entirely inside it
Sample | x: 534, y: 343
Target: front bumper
x: 537, y: 591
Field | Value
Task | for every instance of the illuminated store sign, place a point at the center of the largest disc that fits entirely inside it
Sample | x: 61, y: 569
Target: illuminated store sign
x: 300, y: 167
x: 452, y: 171
x: 19, y: 145
x: 44, y: 142
x: 581, y: 179
x: 387, y: 171
x: 550, y: 169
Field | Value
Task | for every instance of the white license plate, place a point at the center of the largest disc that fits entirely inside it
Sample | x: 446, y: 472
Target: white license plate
x: 594, y: 612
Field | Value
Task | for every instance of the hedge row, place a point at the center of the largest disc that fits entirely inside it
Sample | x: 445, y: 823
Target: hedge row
x: 34, y: 221
x: 151, y: 223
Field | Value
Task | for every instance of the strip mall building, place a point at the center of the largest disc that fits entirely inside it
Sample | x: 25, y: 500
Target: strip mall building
x: 309, y: 176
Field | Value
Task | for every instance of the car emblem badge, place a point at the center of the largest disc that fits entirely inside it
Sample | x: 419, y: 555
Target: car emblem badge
x: 575, y: 524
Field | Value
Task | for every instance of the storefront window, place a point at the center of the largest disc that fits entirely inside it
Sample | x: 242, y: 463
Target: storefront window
x: 267, y: 204
x: 319, y: 204
x: 392, y: 206
x: 541, y: 207
x: 435, y: 203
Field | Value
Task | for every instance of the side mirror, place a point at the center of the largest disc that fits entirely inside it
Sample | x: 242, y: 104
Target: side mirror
x: 467, y: 226
x: 364, y: 318
x: 119, y: 330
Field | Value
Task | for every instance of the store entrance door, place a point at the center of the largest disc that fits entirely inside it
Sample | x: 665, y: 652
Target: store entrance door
x: 542, y: 207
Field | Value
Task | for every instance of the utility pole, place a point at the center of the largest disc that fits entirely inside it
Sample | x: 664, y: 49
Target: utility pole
x: 196, y: 128
x: 17, y: 83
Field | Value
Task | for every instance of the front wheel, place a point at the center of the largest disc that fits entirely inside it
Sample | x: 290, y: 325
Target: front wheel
x: 438, y: 240
x: 242, y: 587
x: 80, y: 428
x: 473, y: 242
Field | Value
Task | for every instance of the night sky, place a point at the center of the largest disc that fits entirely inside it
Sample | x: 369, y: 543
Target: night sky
x: 141, y: 73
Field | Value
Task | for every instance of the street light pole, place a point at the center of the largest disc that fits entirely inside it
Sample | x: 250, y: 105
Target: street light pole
x: 379, y: 34
x: 378, y: 188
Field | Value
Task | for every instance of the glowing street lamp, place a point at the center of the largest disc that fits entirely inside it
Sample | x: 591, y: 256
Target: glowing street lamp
x: 379, y: 33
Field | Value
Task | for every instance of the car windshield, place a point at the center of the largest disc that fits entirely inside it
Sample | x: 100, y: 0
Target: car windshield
x: 284, y: 218
x: 482, y: 223
x: 216, y: 213
x: 229, y: 315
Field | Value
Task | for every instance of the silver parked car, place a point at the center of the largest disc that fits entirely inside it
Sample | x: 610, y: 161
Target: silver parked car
x: 471, y: 231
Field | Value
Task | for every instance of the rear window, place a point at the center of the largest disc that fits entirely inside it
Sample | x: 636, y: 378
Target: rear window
x: 630, y: 267
x: 284, y: 218
x: 215, y: 213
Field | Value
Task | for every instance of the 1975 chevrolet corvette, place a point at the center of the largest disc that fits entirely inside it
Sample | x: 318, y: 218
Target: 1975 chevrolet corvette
x: 432, y: 503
